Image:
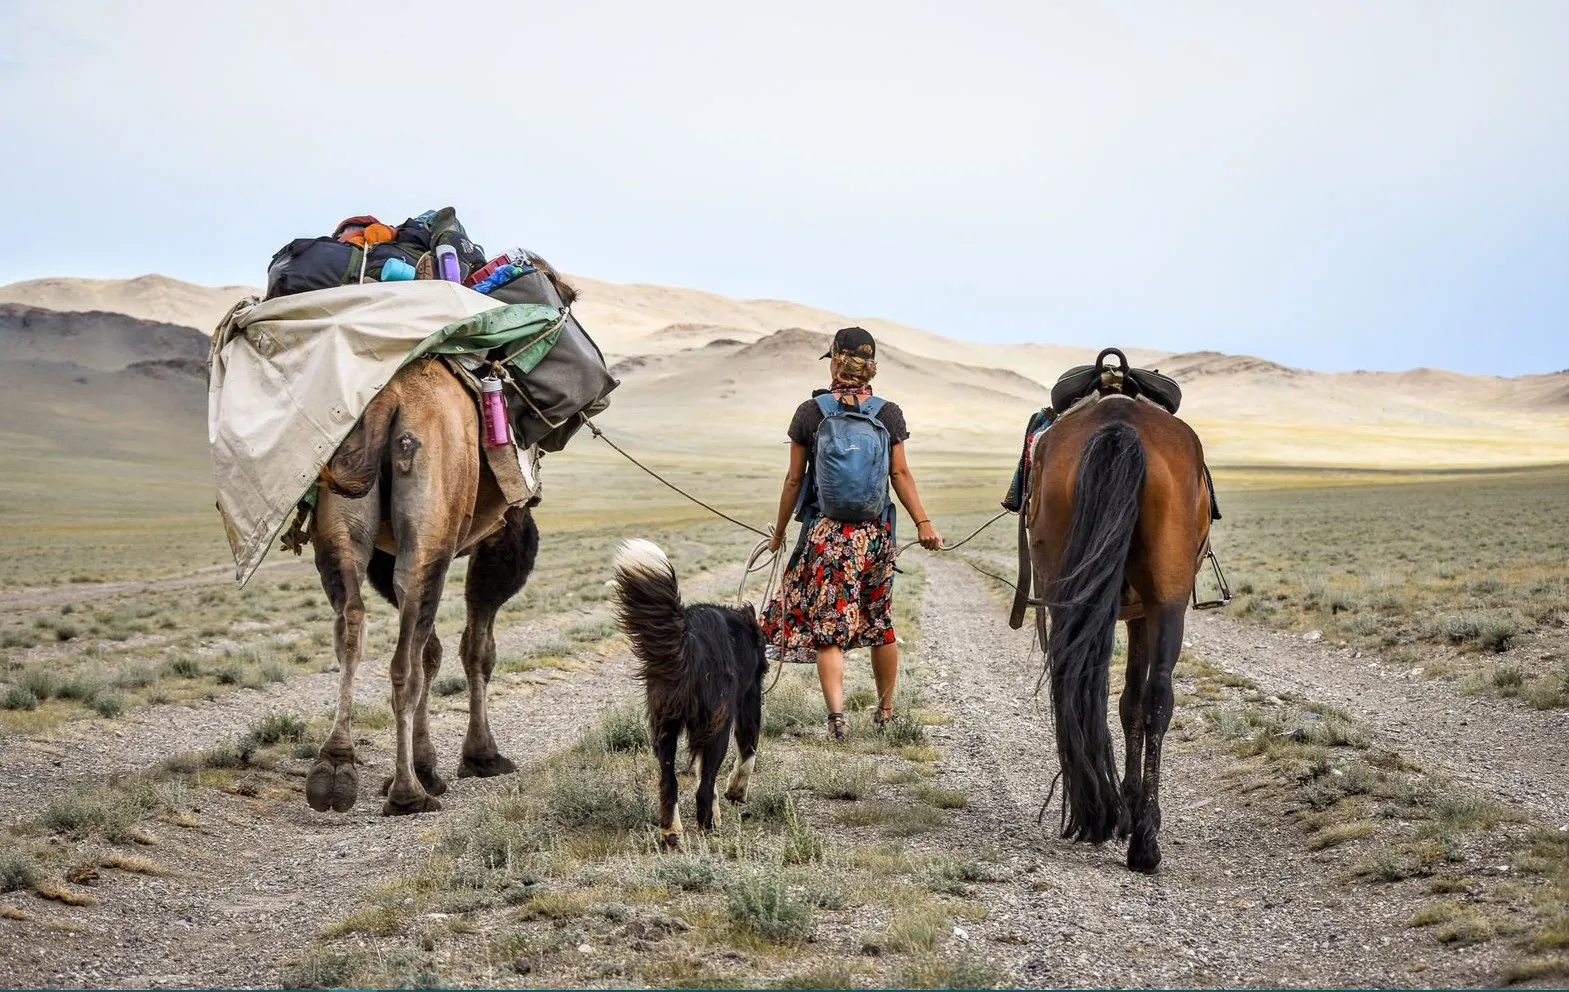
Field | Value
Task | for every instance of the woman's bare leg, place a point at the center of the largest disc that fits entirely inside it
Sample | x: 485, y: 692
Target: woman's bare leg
x: 830, y: 672
x: 885, y: 672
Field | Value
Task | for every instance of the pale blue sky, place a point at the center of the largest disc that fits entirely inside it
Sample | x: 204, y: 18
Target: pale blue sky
x: 1329, y: 185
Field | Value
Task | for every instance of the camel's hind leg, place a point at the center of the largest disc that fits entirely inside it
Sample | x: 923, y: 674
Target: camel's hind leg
x: 344, y: 535
x: 419, y: 594
x: 434, y: 475
x: 380, y: 574
x: 500, y: 566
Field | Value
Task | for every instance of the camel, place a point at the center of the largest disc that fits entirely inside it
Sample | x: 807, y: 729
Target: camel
x: 406, y: 493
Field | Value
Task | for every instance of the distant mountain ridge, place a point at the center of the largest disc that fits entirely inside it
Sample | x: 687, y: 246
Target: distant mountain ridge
x: 95, y: 339
x: 744, y: 364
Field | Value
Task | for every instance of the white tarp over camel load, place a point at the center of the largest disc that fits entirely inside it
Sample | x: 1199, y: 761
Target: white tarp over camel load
x: 290, y: 378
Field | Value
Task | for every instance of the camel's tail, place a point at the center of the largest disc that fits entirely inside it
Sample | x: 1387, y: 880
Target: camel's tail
x: 356, y: 464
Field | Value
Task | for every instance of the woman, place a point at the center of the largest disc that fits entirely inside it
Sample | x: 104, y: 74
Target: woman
x: 838, y: 588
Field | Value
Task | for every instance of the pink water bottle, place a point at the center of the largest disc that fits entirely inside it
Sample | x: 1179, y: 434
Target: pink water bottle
x: 498, y: 430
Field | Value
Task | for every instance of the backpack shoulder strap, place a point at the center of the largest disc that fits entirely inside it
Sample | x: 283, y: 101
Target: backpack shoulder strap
x: 829, y: 404
x: 872, y: 406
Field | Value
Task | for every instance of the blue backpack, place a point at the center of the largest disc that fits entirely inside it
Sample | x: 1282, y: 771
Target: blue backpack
x: 850, y: 463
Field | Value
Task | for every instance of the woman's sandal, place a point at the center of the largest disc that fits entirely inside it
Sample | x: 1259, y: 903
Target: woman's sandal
x: 837, y: 730
x: 883, y: 722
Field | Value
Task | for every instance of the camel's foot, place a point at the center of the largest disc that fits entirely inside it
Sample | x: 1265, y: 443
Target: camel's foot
x: 434, y: 784
x: 333, y: 783
x: 485, y: 766
x: 404, y: 805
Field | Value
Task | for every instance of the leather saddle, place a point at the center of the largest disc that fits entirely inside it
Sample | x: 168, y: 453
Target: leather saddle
x: 1080, y: 381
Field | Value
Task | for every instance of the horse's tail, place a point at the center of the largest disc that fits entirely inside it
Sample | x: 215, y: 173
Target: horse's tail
x: 1084, y: 600
x: 649, y: 612
x: 356, y: 465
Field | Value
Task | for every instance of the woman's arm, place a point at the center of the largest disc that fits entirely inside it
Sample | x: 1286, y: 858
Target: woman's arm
x: 795, y: 477
x: 904, y: 485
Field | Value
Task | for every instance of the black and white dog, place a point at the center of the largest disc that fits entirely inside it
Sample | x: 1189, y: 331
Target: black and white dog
x: 702, y: 667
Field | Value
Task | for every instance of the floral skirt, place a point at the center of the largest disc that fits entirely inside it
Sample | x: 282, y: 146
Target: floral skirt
x: 839, y: 594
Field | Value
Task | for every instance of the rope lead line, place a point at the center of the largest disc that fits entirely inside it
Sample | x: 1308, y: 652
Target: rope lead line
x: 752, y: 564
x: 671, y: 485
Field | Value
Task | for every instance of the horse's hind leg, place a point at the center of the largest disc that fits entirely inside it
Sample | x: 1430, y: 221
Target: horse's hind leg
x: 1165, y: 628
x: 343, y: 537
x: 1131, y: 709
x: 498, y: 571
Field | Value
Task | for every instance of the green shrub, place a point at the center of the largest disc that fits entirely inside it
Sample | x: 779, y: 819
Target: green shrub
x: 81, y: 688
x: 450, y: 685
x: 625, y: 728
x: 595, y: 798
x: 19, y: 639
x: 109, y: 704
x: 19, y: 698
x: 275, y: 727
x: 836, y: 777
x: 760, y: 902
x: 18, y: 870
x: 930, y: 971
x: 40, y: 682
x: 686, y: 872
x: 184, y: 666
x: 1498, y: 634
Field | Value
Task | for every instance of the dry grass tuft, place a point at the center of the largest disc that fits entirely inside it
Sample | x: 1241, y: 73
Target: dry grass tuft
x: 53, y: 888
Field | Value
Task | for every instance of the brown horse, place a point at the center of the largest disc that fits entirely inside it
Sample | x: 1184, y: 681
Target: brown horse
x: 1119, y: 514
x: 406, y: 493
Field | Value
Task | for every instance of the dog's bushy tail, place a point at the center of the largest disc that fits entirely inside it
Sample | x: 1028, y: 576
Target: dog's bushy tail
x: 648, y: 611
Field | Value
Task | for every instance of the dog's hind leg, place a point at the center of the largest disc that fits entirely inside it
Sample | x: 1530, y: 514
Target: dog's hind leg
x: 748, y: 725
x: 667, y: 738
x: 711, y: 756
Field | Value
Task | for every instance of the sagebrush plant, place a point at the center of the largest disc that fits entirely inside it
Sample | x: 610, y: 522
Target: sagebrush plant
x: 760, y: 902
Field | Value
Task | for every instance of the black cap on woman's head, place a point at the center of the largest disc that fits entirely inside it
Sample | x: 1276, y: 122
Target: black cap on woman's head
x: 856, y: 341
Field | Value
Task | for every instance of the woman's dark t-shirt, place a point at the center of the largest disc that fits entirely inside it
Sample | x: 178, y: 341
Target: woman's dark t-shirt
x: 808, y: 417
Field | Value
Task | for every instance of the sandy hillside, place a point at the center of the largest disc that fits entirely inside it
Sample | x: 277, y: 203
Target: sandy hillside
x: 150, y: 297
x: 685, y: 352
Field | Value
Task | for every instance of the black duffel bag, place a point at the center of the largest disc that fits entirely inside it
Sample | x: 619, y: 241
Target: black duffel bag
x: 305, y: 264
x: 572, y: 379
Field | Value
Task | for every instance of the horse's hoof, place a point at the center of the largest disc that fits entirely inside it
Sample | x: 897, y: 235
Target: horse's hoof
x: 434, y: 784
x: 485, y: 767
x: 1144, y: 855
x: 332, y: 785
x: 403, y: 807
x: 672, y: 841
x: 736, y: 794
